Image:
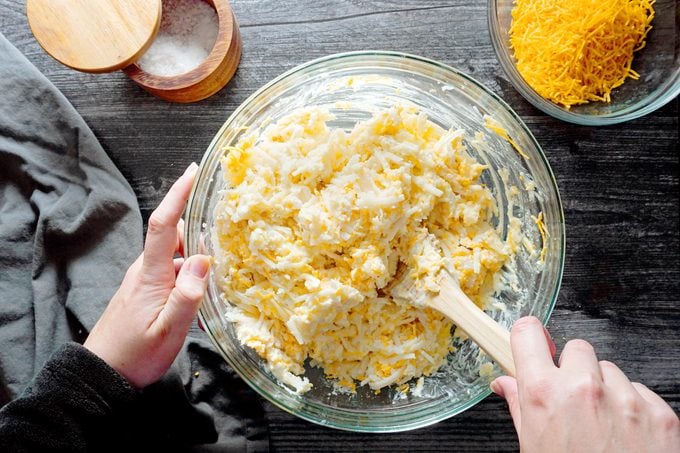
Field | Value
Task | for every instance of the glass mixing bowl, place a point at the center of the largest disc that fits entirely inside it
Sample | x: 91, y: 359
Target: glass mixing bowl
x: 658, y: 64
x: 451, y: 100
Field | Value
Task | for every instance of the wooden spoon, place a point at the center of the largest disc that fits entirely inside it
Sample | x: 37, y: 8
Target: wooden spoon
x: 452, y: 302
x: 493, y: 338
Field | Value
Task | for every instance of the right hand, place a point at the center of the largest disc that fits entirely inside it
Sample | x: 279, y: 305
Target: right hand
x: 582, y: 404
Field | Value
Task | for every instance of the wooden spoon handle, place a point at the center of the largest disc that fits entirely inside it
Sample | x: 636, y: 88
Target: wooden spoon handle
x: 480, y: 327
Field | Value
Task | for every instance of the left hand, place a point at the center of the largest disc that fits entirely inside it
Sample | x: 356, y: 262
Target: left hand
x: 145, y: 324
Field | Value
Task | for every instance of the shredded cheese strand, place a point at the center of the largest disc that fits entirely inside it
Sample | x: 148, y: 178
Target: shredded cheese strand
x: 544, y: 234
x: 495, y: 127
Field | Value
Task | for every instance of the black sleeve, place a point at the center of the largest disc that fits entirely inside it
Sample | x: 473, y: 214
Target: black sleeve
x: 66, y: 406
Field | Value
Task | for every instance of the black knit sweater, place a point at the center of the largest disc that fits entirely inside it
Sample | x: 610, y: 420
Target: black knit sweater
x: 76, y: 403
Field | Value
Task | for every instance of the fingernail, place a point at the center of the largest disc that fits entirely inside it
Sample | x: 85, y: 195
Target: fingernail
x: 547, y: 334
x: 551, y: 343
x: 199, y: 266
x: 497, y: 389
x: 191, y: 168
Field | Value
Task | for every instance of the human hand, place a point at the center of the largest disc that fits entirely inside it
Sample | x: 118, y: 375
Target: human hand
x: 581, y: 405
x: 145, y: 324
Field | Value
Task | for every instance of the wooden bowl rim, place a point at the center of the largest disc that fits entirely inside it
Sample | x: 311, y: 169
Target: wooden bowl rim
x: 219, y: 53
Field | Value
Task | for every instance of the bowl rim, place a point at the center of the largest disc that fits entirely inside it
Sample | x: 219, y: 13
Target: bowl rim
x: 671, y: 86
x: 201, y: 174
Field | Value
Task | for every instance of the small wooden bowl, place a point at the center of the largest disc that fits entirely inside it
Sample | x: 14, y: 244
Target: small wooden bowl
x: 210, y: 76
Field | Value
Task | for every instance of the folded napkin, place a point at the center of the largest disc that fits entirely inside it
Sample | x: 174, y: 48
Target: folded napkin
x: 69, y: 228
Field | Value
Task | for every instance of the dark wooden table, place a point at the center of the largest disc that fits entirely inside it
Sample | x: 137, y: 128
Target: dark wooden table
x: 619, y: 186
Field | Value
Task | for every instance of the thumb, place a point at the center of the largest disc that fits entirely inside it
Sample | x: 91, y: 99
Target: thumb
x: 187, y: 295
x: 506, y: 387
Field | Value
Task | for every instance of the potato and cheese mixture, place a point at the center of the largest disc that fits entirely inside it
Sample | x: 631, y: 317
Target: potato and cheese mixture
x: 312, y: 224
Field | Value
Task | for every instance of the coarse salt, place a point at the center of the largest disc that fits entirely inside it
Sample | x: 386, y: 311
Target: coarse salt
x: 186, y: 36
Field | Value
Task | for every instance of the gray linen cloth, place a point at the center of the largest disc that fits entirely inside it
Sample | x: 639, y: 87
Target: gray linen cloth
x: 69, y: 228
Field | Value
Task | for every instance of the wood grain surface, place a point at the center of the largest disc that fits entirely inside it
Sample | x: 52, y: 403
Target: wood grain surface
x: 619, y: 186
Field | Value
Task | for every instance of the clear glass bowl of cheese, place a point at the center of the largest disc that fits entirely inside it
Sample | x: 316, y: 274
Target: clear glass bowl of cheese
x: 657, y: 63
x: 349, y: 85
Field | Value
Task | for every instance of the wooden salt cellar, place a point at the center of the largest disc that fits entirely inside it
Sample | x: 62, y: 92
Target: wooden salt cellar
x: 207, y: 78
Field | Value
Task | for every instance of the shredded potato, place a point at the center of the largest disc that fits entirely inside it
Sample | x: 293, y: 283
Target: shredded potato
x: 576, y: 51
x: 312, y: 225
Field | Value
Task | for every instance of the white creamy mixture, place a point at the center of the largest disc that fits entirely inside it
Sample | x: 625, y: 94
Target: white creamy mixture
x: 313, y: 223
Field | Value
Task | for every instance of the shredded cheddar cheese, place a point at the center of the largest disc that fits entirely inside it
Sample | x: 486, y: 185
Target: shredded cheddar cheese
x: 576, y: 51
x: 312, y: 225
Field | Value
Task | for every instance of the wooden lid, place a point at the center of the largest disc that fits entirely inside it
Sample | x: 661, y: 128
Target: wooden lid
x: 94, y: 35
